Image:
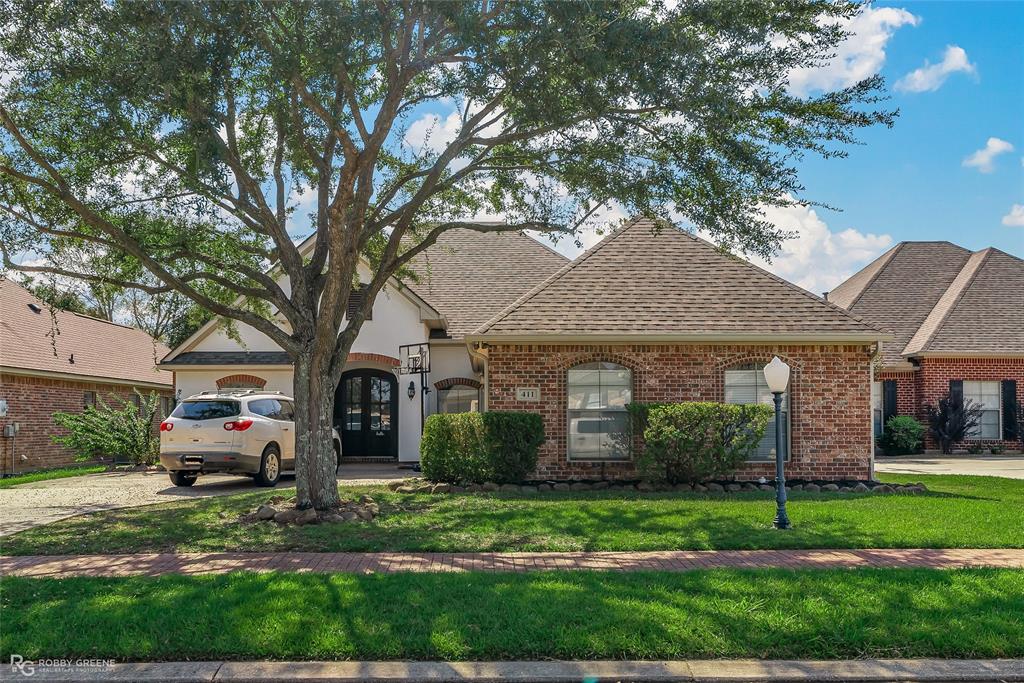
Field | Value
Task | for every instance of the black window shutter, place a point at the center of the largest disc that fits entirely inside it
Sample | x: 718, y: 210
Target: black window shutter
x: 956, y: 392
x: 1010, y: 410
x: 355, y: 302
x: 888, y: 400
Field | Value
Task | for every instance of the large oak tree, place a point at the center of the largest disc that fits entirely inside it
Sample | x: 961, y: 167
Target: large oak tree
x: 188, y: 143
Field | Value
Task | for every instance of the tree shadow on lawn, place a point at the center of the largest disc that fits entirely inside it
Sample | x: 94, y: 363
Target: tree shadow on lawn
x: 566, y: 615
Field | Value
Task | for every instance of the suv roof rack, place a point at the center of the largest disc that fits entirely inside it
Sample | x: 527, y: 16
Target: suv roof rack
x: 237, y: 392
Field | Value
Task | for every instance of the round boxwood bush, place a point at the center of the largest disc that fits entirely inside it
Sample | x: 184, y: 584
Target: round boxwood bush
x: 902, y: 436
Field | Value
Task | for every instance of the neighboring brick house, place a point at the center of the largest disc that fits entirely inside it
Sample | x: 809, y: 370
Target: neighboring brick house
x: 957, y: 318
x: 53, y: 361
x: 654, y: 314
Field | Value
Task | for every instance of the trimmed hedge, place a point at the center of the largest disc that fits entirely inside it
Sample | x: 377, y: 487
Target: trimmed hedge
x: 467, y: 448
x: 903, y: 435
x: 694, y: 441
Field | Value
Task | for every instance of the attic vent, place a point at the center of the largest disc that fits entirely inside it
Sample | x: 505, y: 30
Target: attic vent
x: 35, y: 308
x: 355, y: 302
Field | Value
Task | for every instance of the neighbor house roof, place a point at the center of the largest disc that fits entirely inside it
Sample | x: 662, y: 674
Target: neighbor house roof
x: 469, y: 276
x: 939, y: 298
x: 650, y: 280
x: 36, y: 340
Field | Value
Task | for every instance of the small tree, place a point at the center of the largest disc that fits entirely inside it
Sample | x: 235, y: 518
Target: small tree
x: 952, y: 420
x: 119, y: 432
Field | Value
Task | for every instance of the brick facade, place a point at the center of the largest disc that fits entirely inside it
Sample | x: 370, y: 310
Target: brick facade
x: 830, y: 398
x: 31, y: 402
x: 930, y: 381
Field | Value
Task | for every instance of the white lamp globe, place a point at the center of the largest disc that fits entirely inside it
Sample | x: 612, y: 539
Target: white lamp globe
x: 776, y: 374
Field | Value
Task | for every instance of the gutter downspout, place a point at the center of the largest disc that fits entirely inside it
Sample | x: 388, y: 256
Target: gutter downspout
x: 874, y: 359
x: 479, y: 355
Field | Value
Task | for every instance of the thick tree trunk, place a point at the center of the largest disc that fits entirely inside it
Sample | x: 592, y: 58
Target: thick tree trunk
x: 315, y: 460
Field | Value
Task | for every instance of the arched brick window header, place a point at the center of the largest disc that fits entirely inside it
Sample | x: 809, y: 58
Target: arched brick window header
x: 359, y: 357
x: 456, y: 381
x: 241, y: 382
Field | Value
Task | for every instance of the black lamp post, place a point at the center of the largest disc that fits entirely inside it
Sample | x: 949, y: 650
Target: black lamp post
x: 776, y: 374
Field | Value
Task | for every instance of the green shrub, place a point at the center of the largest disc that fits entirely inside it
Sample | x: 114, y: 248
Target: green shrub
x: 478, y: 447
x: 121, y: 433
x: 684, y: 442
x: 902, y: 436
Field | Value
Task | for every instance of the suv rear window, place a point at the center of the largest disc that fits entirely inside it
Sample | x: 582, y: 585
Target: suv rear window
x: 206, y: 410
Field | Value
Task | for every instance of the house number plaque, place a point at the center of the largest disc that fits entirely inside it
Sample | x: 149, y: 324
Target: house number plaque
x: 527, y: 393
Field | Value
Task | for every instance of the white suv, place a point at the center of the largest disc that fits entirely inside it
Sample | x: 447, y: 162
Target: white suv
x: 240, y: 431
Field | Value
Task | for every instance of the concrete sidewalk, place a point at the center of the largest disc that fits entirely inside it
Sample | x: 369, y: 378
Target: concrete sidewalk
x: 59, y: 566
x: 703, y: 671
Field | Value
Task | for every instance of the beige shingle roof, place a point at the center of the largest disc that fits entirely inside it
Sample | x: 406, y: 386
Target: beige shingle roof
x: 937, y: 297
x: 469, y: 276
x: 30, y: 341
x: 646, y: 281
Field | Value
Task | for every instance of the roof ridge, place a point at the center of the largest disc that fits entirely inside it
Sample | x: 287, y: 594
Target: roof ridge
x: 881, y: 267
x: 947, y: 302
x: 786, y: 282
x: 557, y: 275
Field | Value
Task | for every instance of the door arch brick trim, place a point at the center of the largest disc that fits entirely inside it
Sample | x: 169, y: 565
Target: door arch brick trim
x: 241, y: 381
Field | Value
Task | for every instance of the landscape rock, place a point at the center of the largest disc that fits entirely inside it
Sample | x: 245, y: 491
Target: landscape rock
x: 683, y: 487
x: 287, y: 516
x: 489, y: 486
x: 884, y: 488
x: 307, y: 516
x: 699, y: 488
x: 509, y: 488
x: 332, y: 518
x: 750, y: 486
x: 861, y: 488
x: 458, y: 489
x: 395, y: 485
x: 274, y: 500
x: 714, y: 487
x: 767, y: 487
x: 812, y: 488
x: 560, y: 486
x: 830, y: 487
x: 526, y: 488
x: 845, y: 489
x: 600, y: 485
x: 733, y: 488
x: 424, y: 487
x: 266, y: 512
x: 579, y: 486
x: 543, y: 488
x: 349, y: 516
x: 473, y: 488
x: 406, y: 489
x: 365, y: 499
x: 441, y: 488
x: 645, y: 487
x: 364, y: 514
x: 795, y: 487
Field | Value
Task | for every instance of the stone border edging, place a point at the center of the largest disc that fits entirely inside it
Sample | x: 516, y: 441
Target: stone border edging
x: 711, y: 487
x: 691, y: 671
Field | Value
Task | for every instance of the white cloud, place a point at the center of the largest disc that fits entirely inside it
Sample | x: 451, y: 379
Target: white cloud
x: 983, y: 159
x: 931, y: 76
x: 1015, y: 218
x: 817, y: 258
x: 433, y: 133
x: 858, y: 57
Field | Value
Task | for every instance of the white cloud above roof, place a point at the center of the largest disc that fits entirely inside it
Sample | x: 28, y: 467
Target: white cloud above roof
x: 860, y: 56
x: 1015, y: 219
x: 984, y: 158
x: 930, y: 76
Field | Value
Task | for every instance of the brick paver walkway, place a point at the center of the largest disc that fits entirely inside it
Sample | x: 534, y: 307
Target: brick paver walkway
x: 675, y: 560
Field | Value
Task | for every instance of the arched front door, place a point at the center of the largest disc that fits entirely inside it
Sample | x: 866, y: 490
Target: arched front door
x: 366, y: 414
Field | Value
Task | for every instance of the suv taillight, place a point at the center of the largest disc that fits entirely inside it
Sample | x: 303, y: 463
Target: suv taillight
x: 166, y: 426
x: 239, y: 425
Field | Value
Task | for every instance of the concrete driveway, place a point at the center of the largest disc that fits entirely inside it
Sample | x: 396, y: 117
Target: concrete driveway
x: 1011, y: 466
x: 42, y: 502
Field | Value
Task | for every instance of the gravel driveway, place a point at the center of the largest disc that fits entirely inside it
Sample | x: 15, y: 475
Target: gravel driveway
x: 42, y: 502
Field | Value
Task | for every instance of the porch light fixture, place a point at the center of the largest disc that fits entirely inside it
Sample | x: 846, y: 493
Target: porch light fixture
x: 412, y: 389
x: 776, y: 376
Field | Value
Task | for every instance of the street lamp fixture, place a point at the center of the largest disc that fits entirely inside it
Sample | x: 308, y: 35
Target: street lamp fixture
x: 776, y: 375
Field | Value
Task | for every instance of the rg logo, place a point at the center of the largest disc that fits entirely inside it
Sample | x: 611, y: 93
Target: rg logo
x: 26, y: 667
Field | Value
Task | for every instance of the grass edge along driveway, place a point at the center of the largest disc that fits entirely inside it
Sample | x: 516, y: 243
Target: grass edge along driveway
x: 957, y: 512
x: 807, y: 614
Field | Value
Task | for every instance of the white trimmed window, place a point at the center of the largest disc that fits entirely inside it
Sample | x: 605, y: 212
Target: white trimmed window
x: 745, y: 384
x: 986, y: 396
x: 458, y: 398
x: 876, y: 408
x: 598, y: 422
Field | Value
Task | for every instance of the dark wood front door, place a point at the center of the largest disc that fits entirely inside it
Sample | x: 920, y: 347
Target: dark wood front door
x: 366, y: 414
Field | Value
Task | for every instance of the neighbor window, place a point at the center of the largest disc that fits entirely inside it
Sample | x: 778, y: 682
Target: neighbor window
x: 598, y: 423
x: 166, y: 405
x: 89, y: 399
x: 746, y: 384
x: 458, y: 398
x: 986, y: 396
x: 876, y: 408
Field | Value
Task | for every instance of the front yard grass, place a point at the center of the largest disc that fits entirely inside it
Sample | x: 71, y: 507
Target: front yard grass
x: 957, y: 512
x: 814, y: 614
x: 57, y: 473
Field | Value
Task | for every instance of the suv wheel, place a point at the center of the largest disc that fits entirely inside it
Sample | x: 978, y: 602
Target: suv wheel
x: 180, y: 478
x: 270, y: 467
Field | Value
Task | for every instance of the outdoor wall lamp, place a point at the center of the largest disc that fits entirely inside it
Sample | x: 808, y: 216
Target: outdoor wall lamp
x: 776, y: 375
x: 412, y: 389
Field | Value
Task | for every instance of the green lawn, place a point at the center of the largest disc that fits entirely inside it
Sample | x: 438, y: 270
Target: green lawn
x: 565, y: 615
x: 980, y: 512
x: 42, y: 475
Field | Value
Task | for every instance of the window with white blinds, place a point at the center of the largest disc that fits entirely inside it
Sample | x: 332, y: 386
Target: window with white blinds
x: 745, y: 384
x: 986, y: 396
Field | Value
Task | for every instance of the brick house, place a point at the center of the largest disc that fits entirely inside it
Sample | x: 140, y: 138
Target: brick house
x: 957, y: 320
x: 652, y: 313
x: 59, y: 361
